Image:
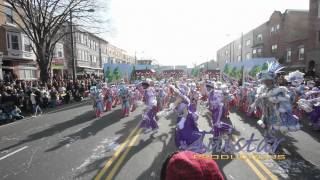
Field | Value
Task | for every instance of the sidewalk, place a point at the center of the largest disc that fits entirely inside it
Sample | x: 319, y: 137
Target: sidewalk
x: 49, y: 110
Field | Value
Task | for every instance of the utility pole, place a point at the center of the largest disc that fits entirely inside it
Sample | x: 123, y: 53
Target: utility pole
x: 72, y: 51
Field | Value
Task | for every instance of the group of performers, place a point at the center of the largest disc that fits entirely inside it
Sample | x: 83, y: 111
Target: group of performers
x: 278, y: 109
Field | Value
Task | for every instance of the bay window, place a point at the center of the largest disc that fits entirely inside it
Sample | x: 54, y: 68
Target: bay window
x: 13, y: 40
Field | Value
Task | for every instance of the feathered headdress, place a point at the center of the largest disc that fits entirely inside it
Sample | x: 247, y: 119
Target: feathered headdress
x: 295, y: 77
x: 273, y: 69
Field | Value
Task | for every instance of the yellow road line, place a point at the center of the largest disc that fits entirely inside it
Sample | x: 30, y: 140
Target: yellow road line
x: 254, y: 168
x: 261, y: 165
x: 119, y: 162
x: 250, y: 164
x: 116, y: 154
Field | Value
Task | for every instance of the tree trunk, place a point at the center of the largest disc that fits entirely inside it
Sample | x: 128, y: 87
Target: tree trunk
x: 44, y: 74
x: 43, y: 64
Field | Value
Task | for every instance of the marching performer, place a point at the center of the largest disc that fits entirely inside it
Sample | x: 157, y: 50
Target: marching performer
x: 124, y: 94
x: 108, y: 98
x: 277, y: 114
x: 217, y: 109
x: 149, y: 119
x: 297, y: 90
x: 135, y: 97
x: 194, y: 97
x: 187, y: 135
x: 311, y: 106
x: 97, y: 98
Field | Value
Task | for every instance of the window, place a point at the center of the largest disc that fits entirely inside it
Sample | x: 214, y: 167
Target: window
x: 9, y: 15
x: 248, y: 42
x: 248, y: 56
x: 27, y: 74
x: 254, y: 51
x: 94, y: 59
x: 259, y: 50
x: 86, y: 40
x: 289, y: 55
x: 85, y: 55
x: 227, y: 52
x: 239, y: 58
x: 274, y: 48
x: 58, y: 51
x: 278, y: 27
x: 301, y: 53
x: 8, y: 41
x: 82, y: 39
x: 239, y: 47
x: 259, y: 37
x: 27, y: 44
x: 79, y: 55
x: 272, y: 29
x: 13, y: 40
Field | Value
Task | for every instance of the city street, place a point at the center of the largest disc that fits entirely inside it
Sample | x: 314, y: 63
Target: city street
x: 70, y: 143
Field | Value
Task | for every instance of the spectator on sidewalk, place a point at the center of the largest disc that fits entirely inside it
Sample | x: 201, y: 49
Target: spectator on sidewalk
x: 35, y: 101
x: 53, y: 97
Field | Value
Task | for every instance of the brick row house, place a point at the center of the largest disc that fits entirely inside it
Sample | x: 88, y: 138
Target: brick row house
x: 291, y: 37
x: 18, y: 61
x: 313, y: 54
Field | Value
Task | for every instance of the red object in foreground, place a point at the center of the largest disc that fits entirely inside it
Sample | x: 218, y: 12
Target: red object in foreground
x: 188, y: 165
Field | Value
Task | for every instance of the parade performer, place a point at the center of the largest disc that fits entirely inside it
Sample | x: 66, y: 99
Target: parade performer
x: 216, y: 107
x: 297, y: 90
x: 277, y: 117
x: 168, y: 95
x: 203, y: 91
x: 187, y: 134
x: 97, y: 98
x: 234, y: 92
x: 161, y: 97
x: 227, y: 98
x: 135, y: 97
x: 311, y: 106
x: 115, y: 95
x: 194, y: 97
x: 149, y: 118
x: 108, y: 99
x: 250, y: 100
x: 125, y: 98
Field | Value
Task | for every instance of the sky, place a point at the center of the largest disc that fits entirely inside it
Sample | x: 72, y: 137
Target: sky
x: 185, y: 32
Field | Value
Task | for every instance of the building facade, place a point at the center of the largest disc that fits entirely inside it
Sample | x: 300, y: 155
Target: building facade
x: 284, y: 36
x: 18, y: 59
x: 313, y: 54
x: 118, y: 56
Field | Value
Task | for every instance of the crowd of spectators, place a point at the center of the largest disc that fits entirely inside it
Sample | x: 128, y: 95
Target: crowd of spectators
x: 30, y: 97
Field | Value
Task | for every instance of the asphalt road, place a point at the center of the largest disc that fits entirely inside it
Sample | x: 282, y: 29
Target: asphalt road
x: 70, y: 143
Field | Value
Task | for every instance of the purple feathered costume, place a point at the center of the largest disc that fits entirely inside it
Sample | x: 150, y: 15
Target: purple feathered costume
x: 188, y: 136
x: 217, y: 109
x: 149, y: 120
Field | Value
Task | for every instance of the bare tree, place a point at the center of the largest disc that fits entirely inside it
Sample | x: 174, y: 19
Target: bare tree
x: 45, y: 23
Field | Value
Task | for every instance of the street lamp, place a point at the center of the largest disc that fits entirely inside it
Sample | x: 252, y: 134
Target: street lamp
x: 72, y: 46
